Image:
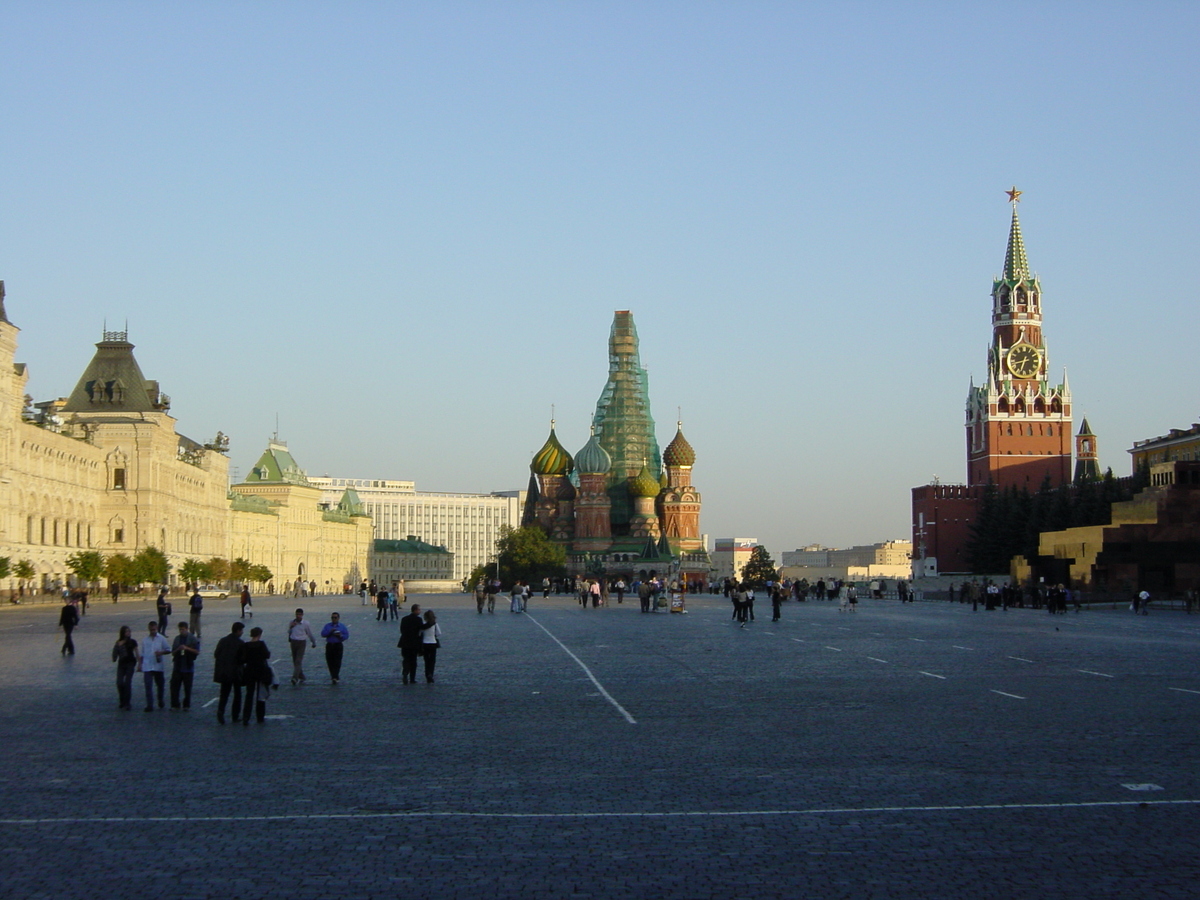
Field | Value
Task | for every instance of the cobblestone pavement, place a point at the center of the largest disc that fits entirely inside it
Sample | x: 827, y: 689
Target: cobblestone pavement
x: 910, y: 751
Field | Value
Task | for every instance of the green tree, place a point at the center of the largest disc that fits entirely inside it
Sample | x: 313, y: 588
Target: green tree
x: 259, y: 574
x: 150, y: 566
x: 118, y: 569
x: 759, y: 569
x: 481, y: 572
x: 88, y: 566
x: 192, y: 571
x: 216, y: 570
x: 527, y: 554
x: 5, y: 566
x: 25, y: 573
x: 239, y: 570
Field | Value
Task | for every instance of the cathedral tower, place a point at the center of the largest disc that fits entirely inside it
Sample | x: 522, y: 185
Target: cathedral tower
x: 623, y: 422
x: 1018, y: 423
x: 680, y: 501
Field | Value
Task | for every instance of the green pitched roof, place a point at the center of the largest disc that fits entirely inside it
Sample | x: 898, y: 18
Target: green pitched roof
x: 276, y: 466
x: 351, y: 504
x: 113, y: 381
x: 1016, y: 264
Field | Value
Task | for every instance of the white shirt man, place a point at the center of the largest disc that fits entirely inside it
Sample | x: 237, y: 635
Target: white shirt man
x: 155, y: 649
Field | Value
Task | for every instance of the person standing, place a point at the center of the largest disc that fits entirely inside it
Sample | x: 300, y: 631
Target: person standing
x: 546, y: 587
x: 298, y: 633
x: 246, y: 604
x: 619, y: 587
x: 125, y: 655
x: 335, y: 634
x: 1142, y: 608
x: 256, y: 669
x: 594, y: 592
x: 68, y: 618
x: 163, y: 607
x: 381, y: 605
x: 226, y: 671
x: 195, y: 607
x: 430, y: 641
x: 412, y: 627
x: 154, y: 648
x: 493, y: 588
x: 400, y: 593
x: 184, y: 651
x: 514, y: 599
x: 776, y: 602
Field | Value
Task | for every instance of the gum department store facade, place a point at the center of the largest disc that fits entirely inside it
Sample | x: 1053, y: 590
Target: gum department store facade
x: 106, y: 470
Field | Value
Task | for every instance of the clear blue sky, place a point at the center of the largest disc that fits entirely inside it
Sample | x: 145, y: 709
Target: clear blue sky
x: 404, y: 227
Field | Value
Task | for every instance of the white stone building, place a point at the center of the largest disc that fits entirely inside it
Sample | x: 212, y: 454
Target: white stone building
x: 467, y: 525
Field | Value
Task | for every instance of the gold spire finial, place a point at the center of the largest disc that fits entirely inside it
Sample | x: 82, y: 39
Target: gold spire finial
x: 1014, y: 196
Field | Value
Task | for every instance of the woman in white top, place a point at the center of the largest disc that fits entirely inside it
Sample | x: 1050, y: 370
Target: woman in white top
x: 430, y: 643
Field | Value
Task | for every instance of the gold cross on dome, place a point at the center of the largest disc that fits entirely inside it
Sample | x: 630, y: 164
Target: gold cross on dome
x: 1014, y: 196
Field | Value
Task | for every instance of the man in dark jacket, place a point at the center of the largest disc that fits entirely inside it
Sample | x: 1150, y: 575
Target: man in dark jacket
x: 226, y: 671
x: 412, y: 628
x: 67, y: 620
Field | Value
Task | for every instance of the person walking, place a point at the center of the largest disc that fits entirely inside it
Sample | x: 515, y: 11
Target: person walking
x: 299, y: 632
x: 125, y: 655
x: 245, y: 601
x: 430, y: 641
x: 227, y: 666
x: 619, y: 587
x: 480, y: 596
x: 493, y: 588
x: 594, y: 592
x: 412, y: 627
x: 162, y: 606
x: 256, y: 669
x: 335, y: 634
x: 184, y: 651
x: 514, y: 599
x: 381, y: 605
x: 154, y: 648
x: 68, y: 618
x: 195, y: 607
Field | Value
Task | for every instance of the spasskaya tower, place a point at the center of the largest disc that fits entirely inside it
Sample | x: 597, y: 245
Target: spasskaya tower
x: 1018, y: 424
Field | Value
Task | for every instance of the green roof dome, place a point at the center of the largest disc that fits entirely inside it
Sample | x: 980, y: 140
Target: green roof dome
x: 644, y: 484
x: 552, y: 459
x: 593, y: 459
x: 679, y: 452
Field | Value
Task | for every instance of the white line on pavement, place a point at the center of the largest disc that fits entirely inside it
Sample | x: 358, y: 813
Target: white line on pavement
x: 918, y: 640
x: 931, y: 675
x: 1006, y: 694
x: 798, y: 641
x: 838, y: 649
x: 956, y: 647
x: 1090, y: 672
x: 1020, y: 659
x: 607, y: 696
x: 678, y: 814
x: 211, y: 702
x: 1183, y: 690
x: 877, y: 659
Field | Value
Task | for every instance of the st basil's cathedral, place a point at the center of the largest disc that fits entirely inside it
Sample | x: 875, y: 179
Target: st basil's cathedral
x: 619, y: 506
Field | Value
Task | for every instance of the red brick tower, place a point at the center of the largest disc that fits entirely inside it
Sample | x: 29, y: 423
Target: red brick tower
x: 1018, y: 424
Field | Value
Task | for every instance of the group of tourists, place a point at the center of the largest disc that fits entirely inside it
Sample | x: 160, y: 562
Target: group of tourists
x: 241, y: 667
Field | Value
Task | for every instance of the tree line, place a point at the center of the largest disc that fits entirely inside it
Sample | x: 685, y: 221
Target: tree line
x: 1010, y: 522
x: 147, y: 566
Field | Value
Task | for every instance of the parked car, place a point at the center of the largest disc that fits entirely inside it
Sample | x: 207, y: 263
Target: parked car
x: 212, y: 592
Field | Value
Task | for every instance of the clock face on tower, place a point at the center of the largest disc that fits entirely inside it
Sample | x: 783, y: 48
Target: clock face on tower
x: 1023, y: 360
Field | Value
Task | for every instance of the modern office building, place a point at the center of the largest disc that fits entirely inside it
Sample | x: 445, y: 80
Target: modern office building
x: 467, y: 525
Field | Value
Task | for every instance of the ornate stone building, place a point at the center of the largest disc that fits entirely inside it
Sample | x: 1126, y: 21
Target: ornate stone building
x: 104, y: 469
x: 614, y: 506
